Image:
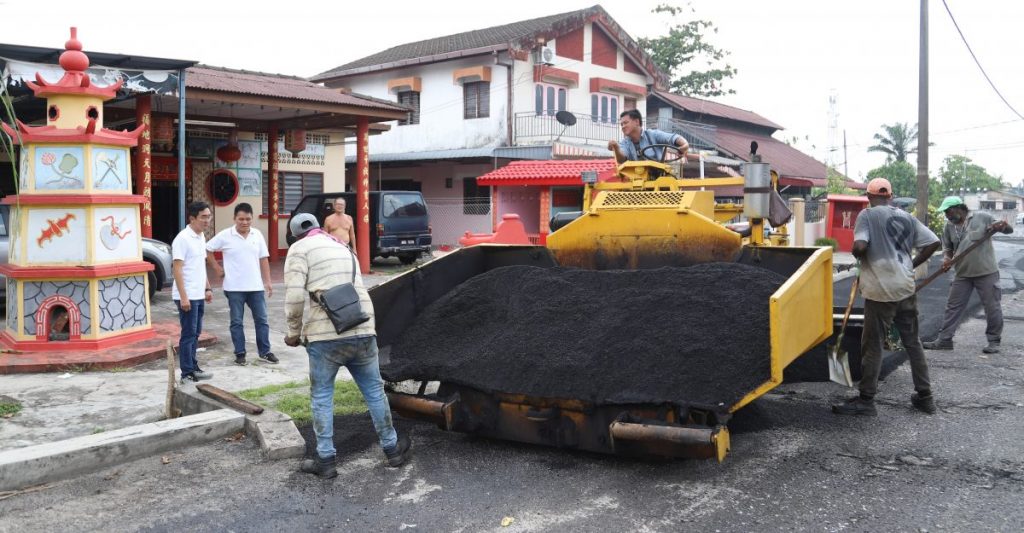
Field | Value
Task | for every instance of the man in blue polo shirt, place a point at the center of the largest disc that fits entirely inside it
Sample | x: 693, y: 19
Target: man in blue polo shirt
x: 635, y: 139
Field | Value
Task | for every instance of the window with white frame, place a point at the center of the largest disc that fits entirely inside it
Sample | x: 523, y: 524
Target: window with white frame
x: 548, y: 99
x: 604, y: 107
x: 476, y: 99
x: 411, y: 99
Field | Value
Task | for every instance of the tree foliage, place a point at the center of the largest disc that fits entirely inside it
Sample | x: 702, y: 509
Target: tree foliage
x: 682, y: 47
x: 901, y: 175
x: 896, y: 141
x: 959, y: 175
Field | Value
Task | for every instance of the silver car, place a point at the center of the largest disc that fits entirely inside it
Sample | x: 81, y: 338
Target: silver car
x: 155, y: 252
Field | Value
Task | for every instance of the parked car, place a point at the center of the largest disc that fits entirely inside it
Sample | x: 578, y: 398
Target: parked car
x: 399, y: 222
x: 155, y: 252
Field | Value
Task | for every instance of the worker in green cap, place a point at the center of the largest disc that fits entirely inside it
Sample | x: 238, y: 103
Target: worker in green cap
x: 976, y: 271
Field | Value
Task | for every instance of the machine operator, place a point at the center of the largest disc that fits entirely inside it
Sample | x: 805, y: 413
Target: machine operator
x: 635, y: 139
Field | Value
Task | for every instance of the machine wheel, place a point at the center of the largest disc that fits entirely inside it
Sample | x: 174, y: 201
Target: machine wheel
x: 408, y: 259
x: 152, y: 283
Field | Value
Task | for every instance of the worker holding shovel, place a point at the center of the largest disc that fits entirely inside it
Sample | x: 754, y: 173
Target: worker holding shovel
x: 975, y: 270
x: 884, y: 237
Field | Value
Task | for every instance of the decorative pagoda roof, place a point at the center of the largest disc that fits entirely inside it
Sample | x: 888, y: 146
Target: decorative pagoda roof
x: 81, y: 134
x: 76, y: 80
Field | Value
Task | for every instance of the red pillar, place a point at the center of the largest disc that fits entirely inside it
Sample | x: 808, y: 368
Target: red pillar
x: 363, y: 193
x: 144, y: 162
x: 273, y: 192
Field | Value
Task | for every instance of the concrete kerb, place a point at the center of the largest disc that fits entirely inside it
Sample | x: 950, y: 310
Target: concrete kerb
x: 43, y: 463
x: 273, y: 430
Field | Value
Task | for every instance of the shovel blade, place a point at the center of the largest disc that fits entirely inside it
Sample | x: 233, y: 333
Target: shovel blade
x: 839, y: 367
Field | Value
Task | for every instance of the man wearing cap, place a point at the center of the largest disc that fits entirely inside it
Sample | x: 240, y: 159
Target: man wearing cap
x: 317, y: 262
x: 884, y: 237
x: 975, y: 271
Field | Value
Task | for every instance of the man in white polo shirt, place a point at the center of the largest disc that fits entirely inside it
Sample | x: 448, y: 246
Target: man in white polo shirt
x: 246, y: 275
x: 191, y: 290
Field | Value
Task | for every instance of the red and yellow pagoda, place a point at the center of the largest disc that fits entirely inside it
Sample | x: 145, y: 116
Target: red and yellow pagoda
x: 75, y: 274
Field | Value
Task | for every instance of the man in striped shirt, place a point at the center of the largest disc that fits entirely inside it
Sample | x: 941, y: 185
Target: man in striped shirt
x: 317, y: 262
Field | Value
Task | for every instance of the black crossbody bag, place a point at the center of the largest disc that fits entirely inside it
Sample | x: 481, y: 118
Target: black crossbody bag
x: 341, y: 303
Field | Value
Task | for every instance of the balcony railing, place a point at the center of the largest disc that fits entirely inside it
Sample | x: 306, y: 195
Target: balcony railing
x: 531, y: 128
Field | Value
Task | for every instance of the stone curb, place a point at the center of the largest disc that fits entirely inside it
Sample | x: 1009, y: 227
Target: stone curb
x: 32, y: 465
x: 273, y: 430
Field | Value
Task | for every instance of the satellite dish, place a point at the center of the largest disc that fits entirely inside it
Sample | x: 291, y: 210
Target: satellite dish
x: 565, y: 118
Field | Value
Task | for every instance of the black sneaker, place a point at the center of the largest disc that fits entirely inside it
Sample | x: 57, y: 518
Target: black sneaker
x: 269, y: 357
x: 855, y: 406
x: 240, y: 359
x: 189, y: 378
x: 924, y: 404
x: 398, y: 454
x: 325, y: 468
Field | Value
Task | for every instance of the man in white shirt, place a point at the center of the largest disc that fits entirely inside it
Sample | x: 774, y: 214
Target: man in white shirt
x: 191, y: 290
x: 246, y: 275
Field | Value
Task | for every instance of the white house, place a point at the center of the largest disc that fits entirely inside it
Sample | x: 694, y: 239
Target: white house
x: 486, y: 97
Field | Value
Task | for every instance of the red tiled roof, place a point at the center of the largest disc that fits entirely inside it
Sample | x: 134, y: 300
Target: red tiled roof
x: 786, y: 160
x: 554, y: 172
x: 277, y: 86
x: 521, y: 35
x: 707, y: 107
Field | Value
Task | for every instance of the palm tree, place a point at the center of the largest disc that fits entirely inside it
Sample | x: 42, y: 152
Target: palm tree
x: 896, y: 142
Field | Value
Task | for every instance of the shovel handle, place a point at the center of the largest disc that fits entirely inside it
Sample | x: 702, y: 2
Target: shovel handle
x: 956, y: 259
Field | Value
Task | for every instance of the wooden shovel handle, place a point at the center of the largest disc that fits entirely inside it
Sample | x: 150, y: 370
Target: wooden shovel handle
x: 956, y: 259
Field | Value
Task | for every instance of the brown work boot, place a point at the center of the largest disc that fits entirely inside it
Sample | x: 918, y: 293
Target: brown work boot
x: 855, y: 406
x: 938, y: 344
x: 922, y: 403
x: 398, y: 454
x: 322, y: 467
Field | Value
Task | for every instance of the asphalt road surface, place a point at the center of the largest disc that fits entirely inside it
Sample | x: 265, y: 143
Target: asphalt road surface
x: 793, y: 466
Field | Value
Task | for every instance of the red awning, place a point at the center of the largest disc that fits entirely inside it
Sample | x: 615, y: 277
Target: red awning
x: 547, y: 173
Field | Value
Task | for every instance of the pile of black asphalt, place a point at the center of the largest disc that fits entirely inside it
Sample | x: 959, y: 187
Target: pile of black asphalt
x: 689, y: 336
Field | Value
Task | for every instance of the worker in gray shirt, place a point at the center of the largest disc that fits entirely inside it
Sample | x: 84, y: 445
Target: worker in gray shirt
x: 884, y: 241
x: 976, y: 271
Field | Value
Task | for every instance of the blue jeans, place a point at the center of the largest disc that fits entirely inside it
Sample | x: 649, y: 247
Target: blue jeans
x: 359, y: 356
x: 191, y: 327
x: 237, y: 300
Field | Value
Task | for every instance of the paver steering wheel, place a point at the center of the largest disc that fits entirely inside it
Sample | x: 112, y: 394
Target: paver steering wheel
x: 666, y: 148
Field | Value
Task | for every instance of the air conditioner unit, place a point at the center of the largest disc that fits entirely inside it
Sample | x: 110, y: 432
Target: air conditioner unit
x: 544, y: 55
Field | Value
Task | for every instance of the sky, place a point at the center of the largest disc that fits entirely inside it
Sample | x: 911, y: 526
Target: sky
x: 791, y: 55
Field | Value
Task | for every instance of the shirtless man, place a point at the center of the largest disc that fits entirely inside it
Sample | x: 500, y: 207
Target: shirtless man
x: 340, y: 225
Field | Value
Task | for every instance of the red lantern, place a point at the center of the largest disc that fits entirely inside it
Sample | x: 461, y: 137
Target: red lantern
x: 162, y: 137
x: 295, y: 141
x: 230, y: 152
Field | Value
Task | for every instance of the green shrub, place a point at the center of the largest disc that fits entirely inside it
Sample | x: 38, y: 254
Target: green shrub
x: 827, y: 241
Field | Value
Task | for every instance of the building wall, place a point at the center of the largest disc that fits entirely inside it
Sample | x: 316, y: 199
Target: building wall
x: 577, y: 98
x: 442, y: 126
x: 448, y: 219
x: 332, y: 168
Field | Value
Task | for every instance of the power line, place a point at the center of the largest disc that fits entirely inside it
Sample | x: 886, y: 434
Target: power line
x: 976, y: 62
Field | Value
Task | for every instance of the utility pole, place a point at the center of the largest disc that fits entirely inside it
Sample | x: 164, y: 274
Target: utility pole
x: 922, y: 121
x: 846, y: 160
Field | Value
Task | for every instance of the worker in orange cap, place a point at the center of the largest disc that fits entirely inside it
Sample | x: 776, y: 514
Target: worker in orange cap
x: 884, y: 237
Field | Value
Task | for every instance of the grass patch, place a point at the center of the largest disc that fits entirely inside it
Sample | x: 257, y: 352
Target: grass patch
x: 119, y: 369
x: 9, y: 409
x: 295, y: 403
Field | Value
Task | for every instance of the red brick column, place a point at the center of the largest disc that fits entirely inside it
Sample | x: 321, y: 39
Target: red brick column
x: 144, y: 162
x: 545, y: 214
x: 272, y: 190
x: 363, y: 193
